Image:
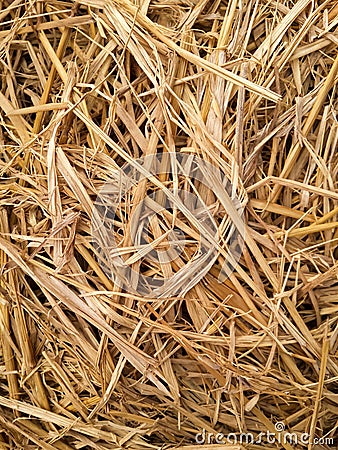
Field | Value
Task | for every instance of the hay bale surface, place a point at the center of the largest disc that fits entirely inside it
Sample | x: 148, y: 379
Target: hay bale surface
x: 88, y: 361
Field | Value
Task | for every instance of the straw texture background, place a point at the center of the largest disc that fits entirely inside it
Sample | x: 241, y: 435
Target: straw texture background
x: 250, y: 87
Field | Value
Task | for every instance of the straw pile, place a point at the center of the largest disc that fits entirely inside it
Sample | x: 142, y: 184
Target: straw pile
x: 247, y: 86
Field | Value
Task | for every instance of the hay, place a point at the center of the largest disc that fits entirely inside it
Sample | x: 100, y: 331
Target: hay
x: 244, y: 343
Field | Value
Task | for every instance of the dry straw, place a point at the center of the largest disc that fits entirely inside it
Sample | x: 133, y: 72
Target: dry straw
x: 248, y: 86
